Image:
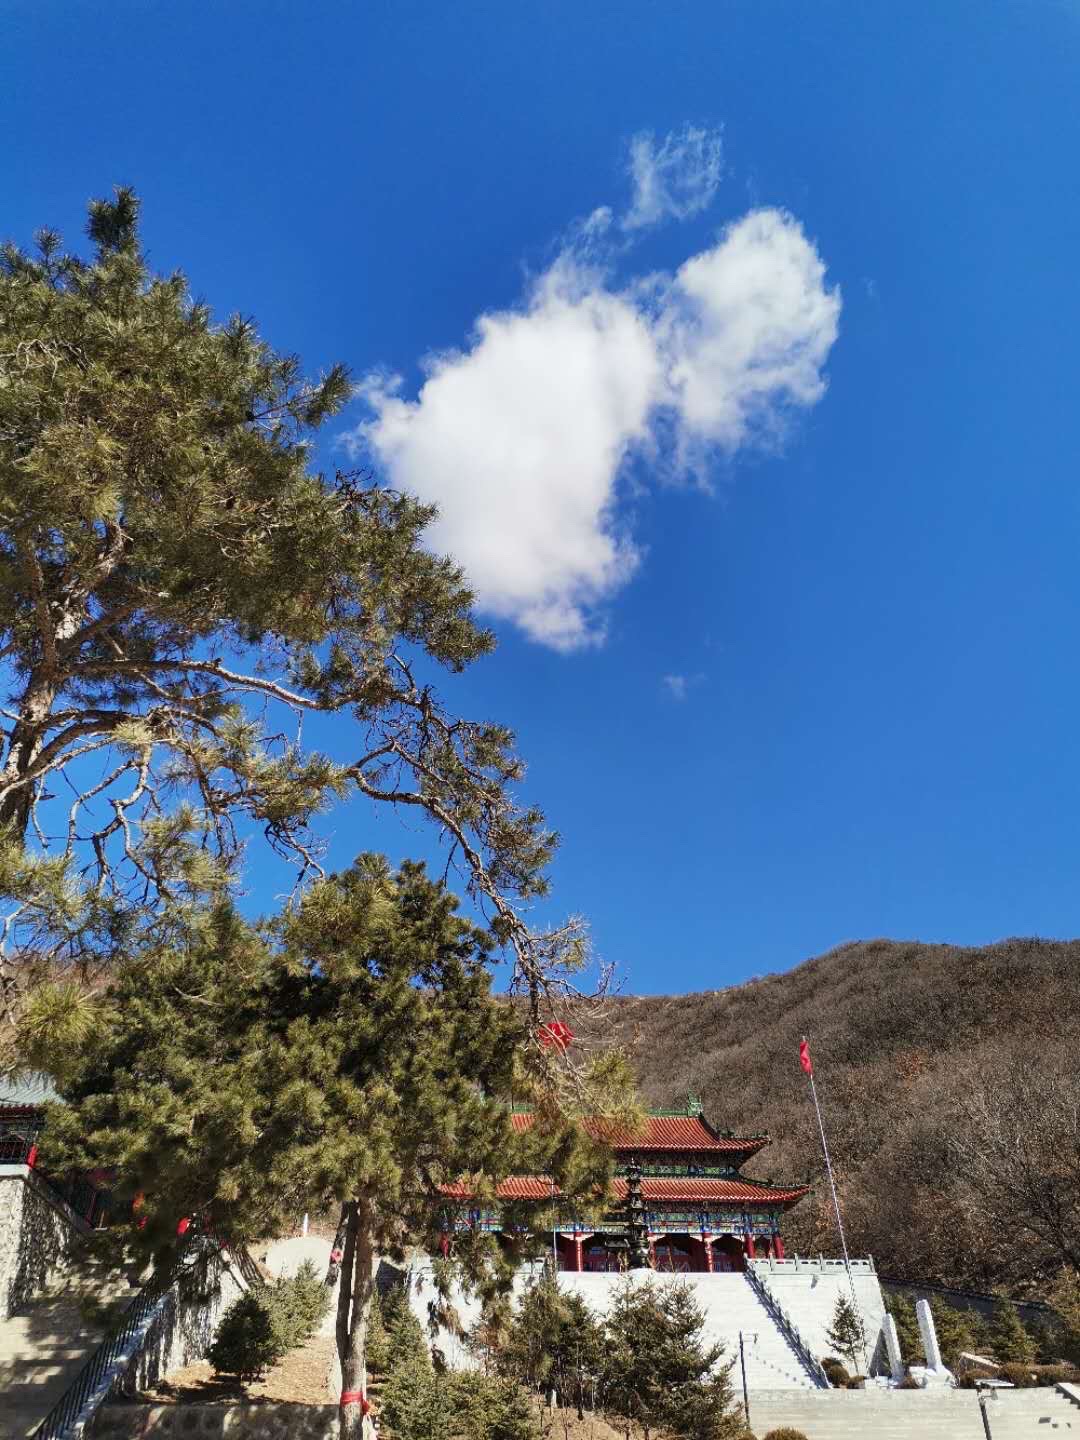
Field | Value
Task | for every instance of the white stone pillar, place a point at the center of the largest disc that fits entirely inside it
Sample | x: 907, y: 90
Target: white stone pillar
x: 935, y: 1372
x: 892, y: 1345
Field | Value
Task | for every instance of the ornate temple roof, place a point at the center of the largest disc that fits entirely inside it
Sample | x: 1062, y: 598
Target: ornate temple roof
x: 678, y: 1134
x: 687, y: 1189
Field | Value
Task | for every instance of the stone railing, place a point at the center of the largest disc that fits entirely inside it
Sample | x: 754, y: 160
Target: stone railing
x: 815, y: 1265
x: 786, y: 1326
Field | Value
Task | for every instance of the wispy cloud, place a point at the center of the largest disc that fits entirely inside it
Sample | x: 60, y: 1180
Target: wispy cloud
x: 675, y: 179
x: 522, y: 435
x: 679, y: 686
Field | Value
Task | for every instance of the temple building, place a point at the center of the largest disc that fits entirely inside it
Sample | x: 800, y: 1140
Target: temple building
x: 679, y: 1202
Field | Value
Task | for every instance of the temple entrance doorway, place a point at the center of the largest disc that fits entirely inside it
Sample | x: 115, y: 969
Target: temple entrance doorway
x: 599, y: 1260
x: 672, y: 1258
x: 728, y: 1255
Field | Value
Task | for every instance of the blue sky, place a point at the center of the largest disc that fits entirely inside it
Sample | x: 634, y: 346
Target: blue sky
x: 787, y: 587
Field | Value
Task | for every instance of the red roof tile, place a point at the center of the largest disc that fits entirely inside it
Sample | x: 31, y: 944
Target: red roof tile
x: 663, y: 1132
x: 687, y: 1189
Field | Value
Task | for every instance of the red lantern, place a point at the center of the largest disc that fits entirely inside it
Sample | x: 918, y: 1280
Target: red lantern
x: 556, y: 1036
x: 183, y: 1226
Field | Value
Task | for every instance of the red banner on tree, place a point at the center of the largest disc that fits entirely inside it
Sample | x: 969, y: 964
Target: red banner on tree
x: 556, y: 1036
x: 804, y: 1057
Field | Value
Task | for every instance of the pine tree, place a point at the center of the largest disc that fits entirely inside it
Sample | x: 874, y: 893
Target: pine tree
x: 901, y: 1308
x: 351, y: 1054
x: 489, y: 1408
x: 954, y: 1329
x: 554, y: 1342
x: 659, y: 1373
x: 178, y: 585
x: 845, y: 1334
x: 247, y: 1341
x: 1010, y: 1340
x: 378, y: 1337
x: 412, y: 1407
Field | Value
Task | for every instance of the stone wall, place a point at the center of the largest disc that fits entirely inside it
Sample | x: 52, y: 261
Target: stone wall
x: 38, y: 1235
x: 260, y: 1422
x: 184, y: 1330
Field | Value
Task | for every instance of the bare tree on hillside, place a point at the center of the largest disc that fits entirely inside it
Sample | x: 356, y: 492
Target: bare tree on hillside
x: 1017, y: 1149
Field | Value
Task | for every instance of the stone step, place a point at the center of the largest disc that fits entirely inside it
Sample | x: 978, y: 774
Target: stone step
x: 44, y: 1346
x: 916, y: 1415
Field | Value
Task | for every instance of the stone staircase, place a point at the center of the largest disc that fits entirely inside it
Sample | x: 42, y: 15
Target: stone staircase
x: 43, y: 1347
x: 730, y: 1305
x: 944, y: 1414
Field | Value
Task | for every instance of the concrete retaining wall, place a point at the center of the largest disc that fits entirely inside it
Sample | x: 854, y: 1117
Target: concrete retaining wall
x: 38, y: 1236
x: 261, y: 1422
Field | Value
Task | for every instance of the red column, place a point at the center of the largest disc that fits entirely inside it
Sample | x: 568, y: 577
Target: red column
x: 652, y: 1252
x: 579, y: 1254
x: 708, y: 1255
x: 748, y: 1241
x: 778, y: 1246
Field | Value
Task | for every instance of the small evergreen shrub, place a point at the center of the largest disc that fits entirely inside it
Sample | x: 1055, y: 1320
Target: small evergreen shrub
x: 785, y: 1432
x: 1026, y: 1376
x: 485, y: 1408
x: 855, y: 1382
x: 378, y: 1338
x: 263, y: 1325
x: 836, y: 1371
x: 1010, y: 1340
x: 297, y: 1305
x: 247, y: 1342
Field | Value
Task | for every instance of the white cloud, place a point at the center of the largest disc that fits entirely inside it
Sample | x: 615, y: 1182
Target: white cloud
x: 677, y: 686
x: 675, y: 180
x: 748, y: 327
x: 521, y: 437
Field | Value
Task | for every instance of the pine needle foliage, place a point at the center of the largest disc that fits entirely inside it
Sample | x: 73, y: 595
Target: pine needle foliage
x: 845, y: 1332
x: 351, y: 1054
x: 659, y: 1372
x: 263, y: 1325
x: 555, y: 1343
x: 1009, y: 1338
x: 179, y: 586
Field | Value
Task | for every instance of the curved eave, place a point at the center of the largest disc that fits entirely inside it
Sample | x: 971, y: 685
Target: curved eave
x: 538, y: 1189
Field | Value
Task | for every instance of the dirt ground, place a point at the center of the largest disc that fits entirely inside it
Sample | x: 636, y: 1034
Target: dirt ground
x: 564, y: 1425
x: 303, y: 1376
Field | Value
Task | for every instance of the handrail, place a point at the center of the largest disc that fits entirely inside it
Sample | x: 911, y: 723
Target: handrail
x: 789, y: 1329
x: 91, y: 1386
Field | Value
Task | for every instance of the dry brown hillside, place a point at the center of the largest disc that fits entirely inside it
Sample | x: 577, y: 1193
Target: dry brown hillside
x: 899, y: 1032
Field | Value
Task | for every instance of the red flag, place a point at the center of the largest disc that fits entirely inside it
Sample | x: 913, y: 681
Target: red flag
x: 556, y: 1036
x: 804, y: 1056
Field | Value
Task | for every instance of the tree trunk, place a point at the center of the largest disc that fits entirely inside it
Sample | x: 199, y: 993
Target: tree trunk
x: 353, y: 1316
x: 27, y: 738
x: 345, y: 1243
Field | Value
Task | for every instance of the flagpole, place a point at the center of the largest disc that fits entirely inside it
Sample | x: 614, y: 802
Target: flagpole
x: 809, y: 1068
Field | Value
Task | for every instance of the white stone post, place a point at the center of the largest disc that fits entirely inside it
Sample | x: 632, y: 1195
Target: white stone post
x: 935, y: 1373
x: 892, y: 1345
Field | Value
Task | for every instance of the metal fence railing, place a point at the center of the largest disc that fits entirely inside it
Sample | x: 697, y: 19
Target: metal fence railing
x: 95, y: 1380
x: 788, y: 1328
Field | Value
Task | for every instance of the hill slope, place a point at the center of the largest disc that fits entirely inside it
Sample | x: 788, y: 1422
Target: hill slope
x: 899, y: 1032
